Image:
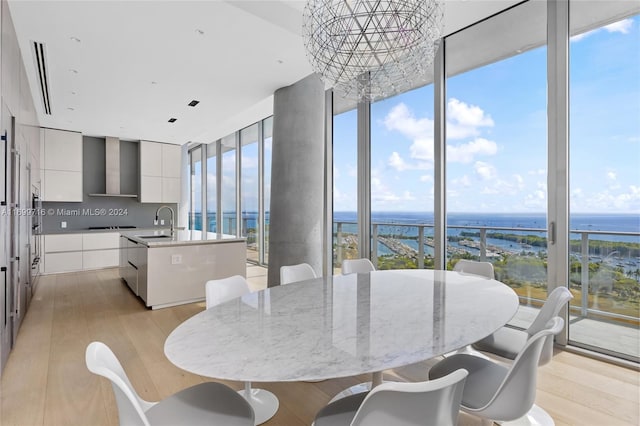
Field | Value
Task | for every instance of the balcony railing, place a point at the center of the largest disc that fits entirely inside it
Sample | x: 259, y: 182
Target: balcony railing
x: 604, y: 271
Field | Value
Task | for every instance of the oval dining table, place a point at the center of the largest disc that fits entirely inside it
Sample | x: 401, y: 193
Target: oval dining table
x: 340, y: 326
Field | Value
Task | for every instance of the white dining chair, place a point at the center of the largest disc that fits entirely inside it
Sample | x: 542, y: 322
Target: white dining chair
x: 294, y: 273
x: 206, y: 403
x: 499, y: 393
x: 357, y: 266
x: 484, y: 269
x: 507, y: 342
x: 265, y: 404
x: 430, y: 403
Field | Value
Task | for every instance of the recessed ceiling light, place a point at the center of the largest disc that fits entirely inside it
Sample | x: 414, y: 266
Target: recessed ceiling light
x: 280, y: 61
x: 73, y: 93
x: 76, y: 39
x: 71, y: 109
x: 73, y: 71
x: 193, y: 103
x: 173, y: 120
x: 199, y: 31
x: 154, y: 82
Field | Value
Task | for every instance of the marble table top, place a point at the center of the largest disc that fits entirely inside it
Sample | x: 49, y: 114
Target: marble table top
x: 341, y: 326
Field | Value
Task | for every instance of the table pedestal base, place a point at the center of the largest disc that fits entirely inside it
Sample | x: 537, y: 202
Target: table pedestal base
x: 264, y: 403
x: 535, y: 417
x: 359, y: 388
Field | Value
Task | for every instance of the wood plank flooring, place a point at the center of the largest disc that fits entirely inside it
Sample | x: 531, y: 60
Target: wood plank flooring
x: 46, y: 382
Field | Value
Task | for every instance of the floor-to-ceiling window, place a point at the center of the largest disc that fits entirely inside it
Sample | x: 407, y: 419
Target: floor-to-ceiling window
x: 496, y: 155
x: 236, y: 190
x: 604, y: 82
x: 249, y: 190
x: 402, y: 180
x: 228, y: 186
x: 345, y: 187
x: 212, y: 187
x: 507, y: 166
x: 267, y: 135
x: 195, y: 188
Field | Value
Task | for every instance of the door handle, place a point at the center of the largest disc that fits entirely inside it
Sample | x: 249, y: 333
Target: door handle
x: 6, y: 169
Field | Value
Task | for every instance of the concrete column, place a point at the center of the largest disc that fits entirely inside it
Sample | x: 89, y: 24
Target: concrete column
x: 297, y: 177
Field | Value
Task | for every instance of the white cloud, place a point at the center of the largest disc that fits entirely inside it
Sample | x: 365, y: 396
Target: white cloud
x: 622, y: 27
x: 397, y: 162
x: 465, y: 153
x: 541, y: 172
x: 400, y: 118
x: 426, y: 178
x: 464, y: 120
x: 611, y: 175
x: 486, y: 171
x: 336, y: 172
x: 463, y: 181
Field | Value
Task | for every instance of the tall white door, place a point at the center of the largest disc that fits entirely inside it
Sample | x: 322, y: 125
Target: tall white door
x: 7, y: 267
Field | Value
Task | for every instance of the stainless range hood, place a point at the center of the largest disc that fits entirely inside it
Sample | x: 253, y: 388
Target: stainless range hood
x: 112, y: 169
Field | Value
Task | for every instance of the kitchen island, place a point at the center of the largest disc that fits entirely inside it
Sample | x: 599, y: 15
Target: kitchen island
x: 167, y: 270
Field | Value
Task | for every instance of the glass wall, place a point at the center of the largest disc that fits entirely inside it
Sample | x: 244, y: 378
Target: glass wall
x: 505, y: 178
x: 228, y: 185
x: 496, y: 158
x: 266, y: 167
x: 402, y: 180
x: 212, y: 187
x: 249, y: 191
x: 238, y: 189
x: 195, y: 186
x: 345, y: 188
x: 604, y: 148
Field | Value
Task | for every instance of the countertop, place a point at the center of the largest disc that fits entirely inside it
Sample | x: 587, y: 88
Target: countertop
x: 154, y: 238
x: 145, y: 230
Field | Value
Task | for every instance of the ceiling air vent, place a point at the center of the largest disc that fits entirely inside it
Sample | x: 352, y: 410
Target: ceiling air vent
x: 43, y: 74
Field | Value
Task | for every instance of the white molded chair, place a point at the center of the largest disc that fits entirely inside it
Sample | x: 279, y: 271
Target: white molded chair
x: 507, y: 342
x: 265, y: 404
x: 484, y: 269
x: 499, y: 393
x: 435, y: 402
x: 294, y: 273
x: 207, y: 403
x: 357, y: 266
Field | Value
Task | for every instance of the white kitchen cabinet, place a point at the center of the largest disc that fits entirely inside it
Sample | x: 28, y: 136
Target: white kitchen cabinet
x: 150, y: 189
x: 171, y: 160
x: 63, y: 262
x: 159, y: 172
x: 97, y: 259
x: 61, y: 165
x: 62, y: 242
x: 150, y: 158
x: 101, y: 241
x: 61, y: 185
x: 170, y: 190
x: 81, y: 251
x: 62, y: 150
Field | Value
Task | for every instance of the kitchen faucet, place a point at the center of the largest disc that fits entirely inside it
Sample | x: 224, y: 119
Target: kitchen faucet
x: 172, y: 215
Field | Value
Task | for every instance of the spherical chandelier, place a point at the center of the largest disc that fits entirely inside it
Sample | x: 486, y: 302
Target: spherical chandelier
x: 371, y: 49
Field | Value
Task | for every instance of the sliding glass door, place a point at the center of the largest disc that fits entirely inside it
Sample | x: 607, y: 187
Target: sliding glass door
x: 605, y: 177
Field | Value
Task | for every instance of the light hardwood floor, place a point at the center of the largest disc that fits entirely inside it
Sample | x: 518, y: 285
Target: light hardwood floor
x: 46, y: 382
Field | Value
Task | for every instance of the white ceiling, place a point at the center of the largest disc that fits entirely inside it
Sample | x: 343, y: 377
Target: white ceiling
x: 123, y: 68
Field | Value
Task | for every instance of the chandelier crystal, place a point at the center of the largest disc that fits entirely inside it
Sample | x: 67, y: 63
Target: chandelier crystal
x: 371, y: 49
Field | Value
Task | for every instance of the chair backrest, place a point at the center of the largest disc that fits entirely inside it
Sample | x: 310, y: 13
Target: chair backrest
x: 223, y: 290
x: 551, y: 307
x: 556, y: 300
x: 101, y: 360
x: 294, y: 273
x: 357, y: 266
x: 517, y: 392
x: 434, y: 402
x: 484, y: 269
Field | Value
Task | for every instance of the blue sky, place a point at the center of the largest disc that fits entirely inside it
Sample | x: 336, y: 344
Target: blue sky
x: 497, y: 136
